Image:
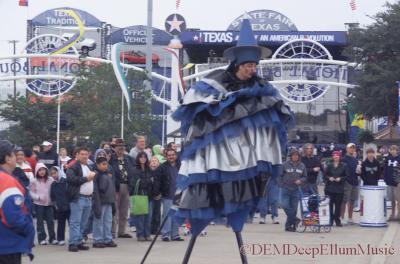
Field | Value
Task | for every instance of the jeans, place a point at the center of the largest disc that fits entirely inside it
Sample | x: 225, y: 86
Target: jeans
x: 89, y: 225
x: 102, y: 226
x: 171, y: 227
x: 290, y: 201
x: 269, y: 201
x: 45, y: 213
x: 62, y: 217
x: 156, y: 216
x: 143, y: 223
x: 80, y: 211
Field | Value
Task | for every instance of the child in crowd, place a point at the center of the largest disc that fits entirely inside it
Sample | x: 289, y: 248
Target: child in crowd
x: 370, y: 169
x: 103, y: 200
x: 63, y: 157
x: 40, y: 193
x: 58, y: 195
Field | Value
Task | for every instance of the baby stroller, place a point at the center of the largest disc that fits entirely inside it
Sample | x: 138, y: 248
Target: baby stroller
x: 314, y: 213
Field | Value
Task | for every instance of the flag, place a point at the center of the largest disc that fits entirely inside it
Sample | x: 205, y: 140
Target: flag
x: 353, y: 5
x: 23, y: 2
x: 178, y: 2
x: 358, y: 121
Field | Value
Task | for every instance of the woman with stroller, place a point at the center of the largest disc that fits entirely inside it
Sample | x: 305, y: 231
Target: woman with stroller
x: 335, y: 176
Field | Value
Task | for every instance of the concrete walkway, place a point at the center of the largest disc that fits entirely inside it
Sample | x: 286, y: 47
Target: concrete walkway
x: 219, y: 247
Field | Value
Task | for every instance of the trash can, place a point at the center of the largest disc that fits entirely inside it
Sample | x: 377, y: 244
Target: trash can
x: 373, y: 206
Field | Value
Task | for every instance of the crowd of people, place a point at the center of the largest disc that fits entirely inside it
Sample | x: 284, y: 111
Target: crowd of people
x: 341, y: 174
x: 92, y: 191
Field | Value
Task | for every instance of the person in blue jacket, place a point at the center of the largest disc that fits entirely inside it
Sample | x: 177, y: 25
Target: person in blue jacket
x: 16, y: 226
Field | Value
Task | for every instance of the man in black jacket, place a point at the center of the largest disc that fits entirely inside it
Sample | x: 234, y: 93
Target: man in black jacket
x: 48, y: 156
x: 124, y: 167
x: 313, y: 166
x: 167, y: 174
x: 79, y: 191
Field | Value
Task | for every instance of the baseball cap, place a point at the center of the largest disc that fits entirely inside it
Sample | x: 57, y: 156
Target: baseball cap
x: 6, y: 147
x: 47, y: 144
x: 351, y: 145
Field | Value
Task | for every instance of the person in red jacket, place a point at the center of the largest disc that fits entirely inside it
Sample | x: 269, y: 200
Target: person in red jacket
x: 16, y: 226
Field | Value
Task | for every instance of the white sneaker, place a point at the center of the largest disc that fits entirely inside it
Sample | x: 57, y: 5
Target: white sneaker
x: 43, y: 243
x: 344, y: 221
x: 61, y: 243
x: 262, y: 220
x: 54, y: 242
x: 203, y: 233
x: 212, y: 223
x: 350, y: 221
x: 275, y: 220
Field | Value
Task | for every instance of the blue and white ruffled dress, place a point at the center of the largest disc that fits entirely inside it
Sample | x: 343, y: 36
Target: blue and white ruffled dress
x: 231, y: 138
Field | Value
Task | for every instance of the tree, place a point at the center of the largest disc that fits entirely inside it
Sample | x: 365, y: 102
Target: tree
x: 96, y: 100
x: 35, y: 120
x: 377, y: 50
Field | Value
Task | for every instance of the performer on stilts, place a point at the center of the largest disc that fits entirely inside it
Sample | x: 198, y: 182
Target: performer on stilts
x: 234, y: 125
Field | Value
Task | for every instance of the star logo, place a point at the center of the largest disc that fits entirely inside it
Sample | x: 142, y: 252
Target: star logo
x: 196, y: 38
x: 175, y: 24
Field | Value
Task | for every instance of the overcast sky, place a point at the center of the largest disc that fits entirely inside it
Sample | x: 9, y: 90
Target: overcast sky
x: 205, y: 14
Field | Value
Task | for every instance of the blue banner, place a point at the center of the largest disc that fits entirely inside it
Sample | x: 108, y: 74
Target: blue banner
x: 332, y: 38
x: 55, y: 17
x: 137, y: 35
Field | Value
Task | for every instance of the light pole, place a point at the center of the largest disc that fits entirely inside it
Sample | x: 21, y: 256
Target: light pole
x: 14, y: 43
x: 149, y: 42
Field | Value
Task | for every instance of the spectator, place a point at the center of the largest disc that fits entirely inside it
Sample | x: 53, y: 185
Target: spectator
x: 391, y: 172
x: 123, y: 167
x: 36, y: 148
x: 149, y: 152
x: 139, y: 147
x: 40, y: 193
x: 269, y: 202
x: 313, y: 166
x: 293, y: 176
x: 335, y: 178
x: 58, y: 195
x: 23, y: 165
x: 156, y: 201
x: 103, y: 200
x: 167, y: 173
x: 105, y: 145
x: 31, y: 158
x: 351, y: 185
x: 63, y: 157
x: 158, y: 152
x: 144, y: 184
x: 48, y: 156
x: 20, y: 175
x: 72, y: 161
x: 79, y: 191
x: 16, y: 227
x: 370, y: 169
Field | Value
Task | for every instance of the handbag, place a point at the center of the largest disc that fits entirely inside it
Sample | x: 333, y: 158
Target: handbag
x: 139, y: 203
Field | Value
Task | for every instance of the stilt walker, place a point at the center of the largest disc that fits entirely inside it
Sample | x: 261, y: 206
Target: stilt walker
x: 234, y: 125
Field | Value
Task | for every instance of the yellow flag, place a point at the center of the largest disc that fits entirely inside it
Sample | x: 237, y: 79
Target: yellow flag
x: 358, y: 121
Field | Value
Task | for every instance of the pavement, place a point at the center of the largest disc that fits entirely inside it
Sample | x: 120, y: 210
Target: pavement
x: 267, y: 243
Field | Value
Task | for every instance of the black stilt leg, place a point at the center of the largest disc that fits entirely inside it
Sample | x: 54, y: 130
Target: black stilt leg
x: 189, y: 249
x: 154, y: 239
x: 240, y: 245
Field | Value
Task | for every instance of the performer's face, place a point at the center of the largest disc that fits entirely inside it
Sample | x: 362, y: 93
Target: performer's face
x: 246, y: 70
